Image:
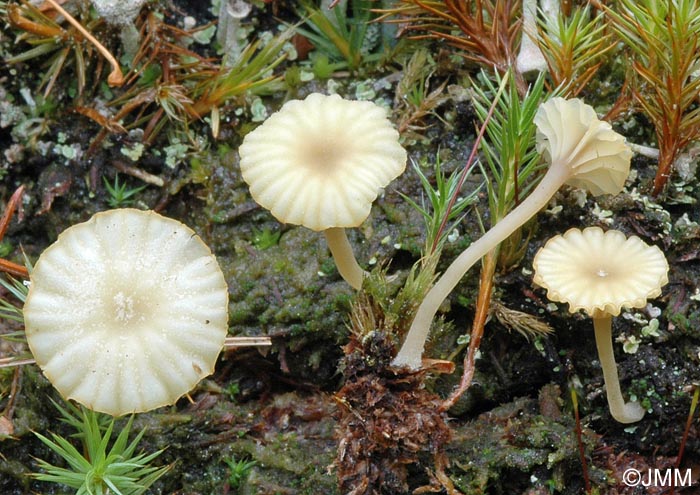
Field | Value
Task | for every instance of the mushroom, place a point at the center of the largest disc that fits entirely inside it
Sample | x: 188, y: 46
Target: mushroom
x: 582, y: 150
x: 321, y: 162
x: 530, y: 57
x: 126, y: 312
x: 228, y: 32
x: 601, y: 273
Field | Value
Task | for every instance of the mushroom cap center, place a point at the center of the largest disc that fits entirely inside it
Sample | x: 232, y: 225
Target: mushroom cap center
x: 127, y: 307
x: 124, y: 307
x: 326, y: 154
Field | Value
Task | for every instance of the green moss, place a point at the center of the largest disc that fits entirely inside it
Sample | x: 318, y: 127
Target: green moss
x: 265, y: 238
x: 513, y: 438
x: 328, y: 267
x: 644, y: 392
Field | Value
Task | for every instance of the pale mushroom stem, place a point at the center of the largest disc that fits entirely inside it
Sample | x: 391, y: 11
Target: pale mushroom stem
x: 410, y: 354
x: 344, y: 257
x: 530, y: 57
x: 623, y: 412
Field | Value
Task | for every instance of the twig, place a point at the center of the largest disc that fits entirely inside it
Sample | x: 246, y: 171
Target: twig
x: 483, y: 304
x: 8, y: 266
x: 14, y: 393
x: 9, y: 362
x: 234, y: 342
x: 13, y: 269
x: 116, y: 78
x: 12, y: 205
x: 581, y: 450
x: 138, y: 173
x: 647, y: 151
x: 688, y: 423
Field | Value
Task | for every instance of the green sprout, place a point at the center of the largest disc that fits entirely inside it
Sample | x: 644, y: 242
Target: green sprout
x: 239, y: 471
x: 574, y: 47
x: 119, y: 194
x: 233, y: 390
x: 415, y: 95
x: 99, y: 469
x: 322, y: 67
x: 264, y: 239
x: 663, y: 39
x: 9, y: 311
x: 5, y: 249
x: 340, y: 37
x: 439, y: 215
x: 250, y: 72
x: 484, y: 31
x: 508, y: 146
x: 512, y: 164
x: 63, y: 45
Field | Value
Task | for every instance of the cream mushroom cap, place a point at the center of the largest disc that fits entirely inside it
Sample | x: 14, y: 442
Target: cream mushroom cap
x: 126, y: 312
x: 321, y: 162
x: 600, y: 272
x: 569, y: 133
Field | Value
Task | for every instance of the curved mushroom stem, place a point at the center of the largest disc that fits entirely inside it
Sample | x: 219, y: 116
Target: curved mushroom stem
x: 623, y: 412
x: 412, y: 349
x: 344, y: 257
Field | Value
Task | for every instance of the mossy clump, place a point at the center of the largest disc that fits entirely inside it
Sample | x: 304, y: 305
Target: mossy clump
x: 527, y: 444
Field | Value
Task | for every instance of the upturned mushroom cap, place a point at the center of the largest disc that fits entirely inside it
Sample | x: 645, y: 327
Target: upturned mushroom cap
x: 570, y: 134
x: 321, y: 162
x: 126, y: 312
x: 600, y: 272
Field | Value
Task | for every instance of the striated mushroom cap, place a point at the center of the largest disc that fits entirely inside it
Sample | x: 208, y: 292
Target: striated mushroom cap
x: 126, y: 312
x: 570, y: 134
x: 321, y: 162
x: 600, y: 271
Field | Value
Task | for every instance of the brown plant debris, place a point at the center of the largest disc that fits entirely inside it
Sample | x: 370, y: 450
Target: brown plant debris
x: 387, y: 421
x: 487, y: 31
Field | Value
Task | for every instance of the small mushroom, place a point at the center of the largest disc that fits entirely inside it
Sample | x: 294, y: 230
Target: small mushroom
x: 321, y: 162
x: 601, y: 273
x: 530, y: 57
x: 229, y: 33
x: 582, y: 150
x: 126, y: 312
